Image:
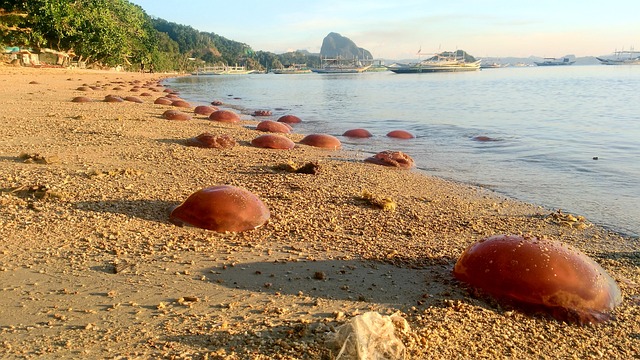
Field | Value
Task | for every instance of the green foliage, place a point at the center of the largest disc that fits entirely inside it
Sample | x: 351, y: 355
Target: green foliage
x: 116, y: 32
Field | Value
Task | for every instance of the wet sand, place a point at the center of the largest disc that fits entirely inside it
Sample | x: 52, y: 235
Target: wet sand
x: 91, y: 267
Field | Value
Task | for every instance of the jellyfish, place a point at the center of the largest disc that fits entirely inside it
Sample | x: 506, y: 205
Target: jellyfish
x: 540, y: 275
x: 273, y: 141
x: 322, y: 141
x: 357, y: 133
x: 400, y: 134
x: 224, y: 116
x: 221, y: 208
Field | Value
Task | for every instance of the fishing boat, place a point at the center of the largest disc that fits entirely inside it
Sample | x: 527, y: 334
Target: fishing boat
x: 222, y: 70
x: 630, y: 59
x: 554, y: 62
x: 493, y: 65
x: 293, y: 69
x: 340, y: 66
x: 444, y: 62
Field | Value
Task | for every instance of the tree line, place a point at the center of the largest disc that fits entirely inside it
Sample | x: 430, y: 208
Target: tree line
x: 109, y: 33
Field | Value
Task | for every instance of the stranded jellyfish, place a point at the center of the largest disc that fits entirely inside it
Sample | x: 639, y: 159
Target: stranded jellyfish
x: 204, y: 110
x: 272, y: 141
x: 392, y: 158
x: 540, y: 275
x: 180, y: 103
x: 163, y: 101
x: 134, y: 99
x: 113, y: 99
x: 221, y: 208
x: 176, y: 115
x: 273, y: 126
x: 322, y: 141
x: 224, y: 116
x: 357, y: 133
x: 289, y: 119
x: 208, y: 140
x: 262, y: 113
x: 400, y: 134
x: 81, y: 99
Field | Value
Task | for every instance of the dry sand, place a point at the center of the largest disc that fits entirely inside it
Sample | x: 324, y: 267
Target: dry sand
x: 90, y: 266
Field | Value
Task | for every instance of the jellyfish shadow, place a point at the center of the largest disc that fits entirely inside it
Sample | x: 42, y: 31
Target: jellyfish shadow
x: 152, y: 210
x: 344, y: 280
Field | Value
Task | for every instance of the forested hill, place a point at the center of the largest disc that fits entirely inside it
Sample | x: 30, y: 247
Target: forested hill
x: 107, y: 33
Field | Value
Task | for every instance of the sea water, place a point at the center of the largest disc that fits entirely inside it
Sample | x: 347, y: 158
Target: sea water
x: 565, y: 137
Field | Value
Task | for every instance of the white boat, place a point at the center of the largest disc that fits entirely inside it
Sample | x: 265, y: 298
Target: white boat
x: 630, y: 59
x: 223, y: 70
x: 293, y: 69
x: 554, y: 62
x: 437, y: 63
x: 340, y: 66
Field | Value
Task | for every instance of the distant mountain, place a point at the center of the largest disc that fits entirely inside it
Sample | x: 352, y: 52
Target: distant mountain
x: 335, y: 45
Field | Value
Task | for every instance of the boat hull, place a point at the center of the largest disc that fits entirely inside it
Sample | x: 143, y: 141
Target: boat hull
x: 619, y: 62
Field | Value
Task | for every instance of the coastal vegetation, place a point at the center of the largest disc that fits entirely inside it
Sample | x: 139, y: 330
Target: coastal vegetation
x: 110, y: 33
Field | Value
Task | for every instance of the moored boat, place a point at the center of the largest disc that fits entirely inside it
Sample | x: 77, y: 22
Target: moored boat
x: 554, y: 62
x: 629, y: 60
x: 340, y: 66
x: 293, y: 69
x: 222, y: 70
x: 438, y: 63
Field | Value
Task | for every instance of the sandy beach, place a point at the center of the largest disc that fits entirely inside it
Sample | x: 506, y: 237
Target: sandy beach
x: 91, y: 267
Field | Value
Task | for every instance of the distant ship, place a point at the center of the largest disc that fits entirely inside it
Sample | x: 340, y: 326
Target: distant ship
x: 340, y: 66
x: 554, y: 62
x: 223, y: 70
x: 437, y: 63
x: 293, y: 69
x: 630, y: 60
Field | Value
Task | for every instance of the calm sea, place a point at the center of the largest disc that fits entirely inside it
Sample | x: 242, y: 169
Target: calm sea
x: 566, y: 137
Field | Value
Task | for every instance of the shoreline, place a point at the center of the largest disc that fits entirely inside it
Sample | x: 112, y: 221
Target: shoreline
x: 561, y: 175
x: 95, y: 269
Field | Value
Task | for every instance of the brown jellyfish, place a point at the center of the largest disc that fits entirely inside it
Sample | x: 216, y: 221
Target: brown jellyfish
x: 482, y: 138
x: 224, y: 116
x: 208, y: 140
x: 392, y: 158
x: 33, y: 82
x: 221, y: 208
x: 400, y: 134
x: 84, y: 88
x: 113, y: 99
x: 180, y: 103
x: 204, y: 110
x: 216, y: 103
x: 324, y: 141
x: 176, y: 115
x: 163, y: 101
x: 273, y: 141
x: 145, y: 94
x: 134, y: 99
x: 81, y: 99
x: 357, y: 133
x: 289, y: 119
x: 262, y: 113
x: 273, y: 126
x: 540, y: 275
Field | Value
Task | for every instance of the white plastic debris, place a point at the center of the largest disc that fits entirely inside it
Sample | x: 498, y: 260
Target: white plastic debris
x: 370, y: 336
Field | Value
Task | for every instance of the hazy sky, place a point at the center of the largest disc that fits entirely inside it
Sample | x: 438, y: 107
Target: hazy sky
x: 398, y: 29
